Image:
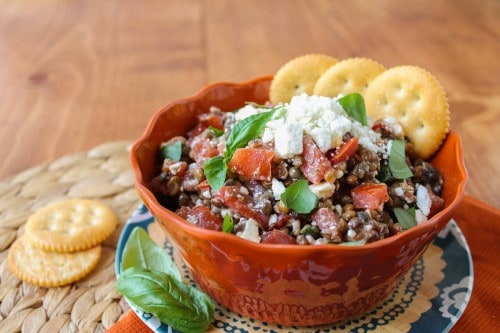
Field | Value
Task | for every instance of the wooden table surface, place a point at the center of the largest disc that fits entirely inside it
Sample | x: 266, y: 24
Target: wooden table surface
x: 74, y: 74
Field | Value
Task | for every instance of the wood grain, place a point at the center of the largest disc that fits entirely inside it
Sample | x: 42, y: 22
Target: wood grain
x: 74, y: 74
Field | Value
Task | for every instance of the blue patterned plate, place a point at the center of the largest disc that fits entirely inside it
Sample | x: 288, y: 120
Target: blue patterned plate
x: 437, y: 289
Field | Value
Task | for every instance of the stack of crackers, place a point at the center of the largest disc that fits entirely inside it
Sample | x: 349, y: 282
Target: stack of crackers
x: 61, y: 242
x: 408, y: 93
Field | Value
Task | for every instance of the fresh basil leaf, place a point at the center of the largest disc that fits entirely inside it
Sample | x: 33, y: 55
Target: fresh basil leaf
x: 141, y: 251
x: 227, y: 224
x: 299, y: 197
x: 354, y: 105
x: 217, y: 132
x: 215, y: 170
x: 246, y: 130
x: 174, y: 303
x: 397, y: 160
x: 384, y: 174
x: 172, y: 151
x: 405, y: 217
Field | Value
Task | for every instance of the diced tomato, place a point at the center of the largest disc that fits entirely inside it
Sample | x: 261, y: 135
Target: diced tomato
x: 325, y: 219
x: 202, y: 149
x: 253, y: 163
x: 315, y: 162
x: 344, y: 152
x: 283, y: 219
x: 206, y: 120
x: 277, y: 237
x: 241, y: 203
x: 211, y: 119
x: 203, y: 185
x: 369, y: 196
x: 437, y: 204
x: 202, y: 216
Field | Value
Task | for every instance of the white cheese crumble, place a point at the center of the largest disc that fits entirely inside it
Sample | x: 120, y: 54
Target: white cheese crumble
x: 278, y: 188
x: 323, y: 118
x: 250, y: 231
x: 323, y: 190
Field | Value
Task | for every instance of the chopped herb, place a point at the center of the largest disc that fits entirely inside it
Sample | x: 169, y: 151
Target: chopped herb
x: 354, y: 105
x: 215, y: 170
x: 217, y: 132
x: 384, y: 174
x: 227, y: 224
x: 299, y: 197
x: 172, y: 151
x: 397, y: 160
x: 248, y: 129
x: 405, y: 217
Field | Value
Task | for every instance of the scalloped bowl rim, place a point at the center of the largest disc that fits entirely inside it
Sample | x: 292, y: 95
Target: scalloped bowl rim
x: 157, y: 209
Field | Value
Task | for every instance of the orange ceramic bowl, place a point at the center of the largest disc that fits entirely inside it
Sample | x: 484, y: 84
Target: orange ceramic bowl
x: 285, y: 284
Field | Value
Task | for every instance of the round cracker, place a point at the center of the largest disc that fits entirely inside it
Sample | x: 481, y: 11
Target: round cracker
x: 417, y: 100
x: 50, y: 269
x: 348, y: 76
x: 70, y: 225
x: 298, y: 76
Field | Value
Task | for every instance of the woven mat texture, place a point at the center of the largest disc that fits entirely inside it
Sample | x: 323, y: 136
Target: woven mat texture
x: 93, y: 303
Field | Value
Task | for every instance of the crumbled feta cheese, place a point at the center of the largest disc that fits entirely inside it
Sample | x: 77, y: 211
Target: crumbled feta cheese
x: 323, y: 118
x: 174, y: 168
x: 394, y: 126
x: 250, y: 231
x: 295, y: 226
x: 278, y: 188
x: 245, y: 112
x: 272, y: 220
x: 323, y: 190
x: 288, y: 140
x: 399, y: 191
x: 423, y: 200
x: 419, y: 216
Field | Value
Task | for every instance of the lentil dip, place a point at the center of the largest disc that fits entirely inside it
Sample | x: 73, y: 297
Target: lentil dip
x: 312, y: 171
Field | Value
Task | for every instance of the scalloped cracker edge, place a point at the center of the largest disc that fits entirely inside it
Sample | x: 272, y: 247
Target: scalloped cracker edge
x: 50, y: 269
x: 298, y: 76
x: 417, y: 100
x: 70, y: 225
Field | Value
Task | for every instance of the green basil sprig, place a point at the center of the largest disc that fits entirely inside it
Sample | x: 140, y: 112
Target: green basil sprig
x: 299, y: 197
x: 141, y: 251
x: 151, y: 281
x: 242, y: 132
x: 406, y: 217
x: 174, y: 303
x: 397, y: 160
x: 354, y: 105
x: 172, y: 151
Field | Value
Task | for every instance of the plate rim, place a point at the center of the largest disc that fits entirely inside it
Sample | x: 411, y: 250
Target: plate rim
x: 142, y: 211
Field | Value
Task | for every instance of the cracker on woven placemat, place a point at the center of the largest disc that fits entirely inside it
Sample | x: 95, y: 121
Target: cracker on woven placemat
x: 50, y: 269
x: 348, y: 76
x: 298, y: 76
x: 70, y: 225
x: 417, y: 100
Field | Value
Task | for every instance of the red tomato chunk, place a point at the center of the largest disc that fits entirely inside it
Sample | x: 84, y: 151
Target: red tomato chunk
x: 369, y: 196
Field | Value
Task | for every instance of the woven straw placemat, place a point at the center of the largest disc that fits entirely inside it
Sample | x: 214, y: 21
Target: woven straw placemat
x: 93, y: 303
